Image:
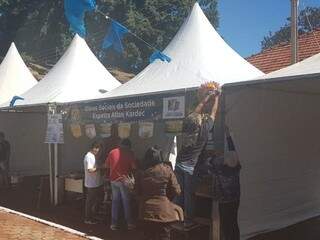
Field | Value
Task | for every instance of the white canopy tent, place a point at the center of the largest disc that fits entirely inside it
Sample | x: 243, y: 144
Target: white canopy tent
x: 15, y: 77
x: 198, y: 55
x: 276, y: 128
x: 77, y: 76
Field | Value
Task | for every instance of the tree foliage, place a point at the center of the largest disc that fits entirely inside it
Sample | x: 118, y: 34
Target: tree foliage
x: 308, y: 20
x: 40, y: 30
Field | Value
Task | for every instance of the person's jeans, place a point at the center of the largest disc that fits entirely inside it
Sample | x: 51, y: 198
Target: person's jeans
x: 120, y: 194
x: 186, y: 199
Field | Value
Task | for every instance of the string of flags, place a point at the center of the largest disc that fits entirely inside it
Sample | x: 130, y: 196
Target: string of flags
x: 75, y: 11
x: 115, y: 36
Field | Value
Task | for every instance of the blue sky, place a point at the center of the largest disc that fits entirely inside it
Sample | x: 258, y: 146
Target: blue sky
x: 244, y: 23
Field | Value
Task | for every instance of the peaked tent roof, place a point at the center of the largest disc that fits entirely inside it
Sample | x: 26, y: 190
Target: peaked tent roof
x: 77, y: 76
x: 15, y: 77
x: 198, y: 55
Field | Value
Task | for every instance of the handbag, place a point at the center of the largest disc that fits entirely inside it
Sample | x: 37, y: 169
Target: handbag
x: 128, y: 181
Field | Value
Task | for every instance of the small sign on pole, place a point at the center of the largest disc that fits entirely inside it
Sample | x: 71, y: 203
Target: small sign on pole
x: 54, y: 129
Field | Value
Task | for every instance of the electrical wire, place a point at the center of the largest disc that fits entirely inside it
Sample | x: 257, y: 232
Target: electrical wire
x: 132, y: 33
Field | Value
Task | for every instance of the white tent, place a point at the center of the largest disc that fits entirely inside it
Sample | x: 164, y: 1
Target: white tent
x: 77, y: 76
x: 275, y: 122
x: 198, y: 55
x: 15, y: 77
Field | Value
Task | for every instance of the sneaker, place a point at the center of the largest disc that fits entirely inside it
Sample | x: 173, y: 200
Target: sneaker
x: 131, y: 226
x: 90, y: 222
x: 113, y: 227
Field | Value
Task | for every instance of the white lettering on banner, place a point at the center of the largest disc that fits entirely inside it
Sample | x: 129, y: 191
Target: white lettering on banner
x: 115, y: 115
x: 98, y: 116
x: 135, y: 114
x: 142, y: 104
x: 90, y: 108
x: 120, y: 106
x: 106, y: 108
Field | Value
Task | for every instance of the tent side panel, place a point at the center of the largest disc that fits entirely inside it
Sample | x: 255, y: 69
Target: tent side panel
x: 277, y: 136
x: 72, y: 152
x: 74, y: 149
x: 26, y: 134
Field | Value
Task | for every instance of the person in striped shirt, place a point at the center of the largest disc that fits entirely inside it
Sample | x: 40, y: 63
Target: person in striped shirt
x: 197, y: 135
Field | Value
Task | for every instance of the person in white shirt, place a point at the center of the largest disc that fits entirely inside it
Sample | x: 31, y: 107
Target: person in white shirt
x: 93, y: 183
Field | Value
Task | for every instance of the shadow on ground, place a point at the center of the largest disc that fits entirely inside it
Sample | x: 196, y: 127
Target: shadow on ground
x: 24, y: 198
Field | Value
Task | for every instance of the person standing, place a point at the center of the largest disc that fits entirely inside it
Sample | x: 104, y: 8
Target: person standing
x: 196, y: 136
x: 93, y: 183
x: 5, y: 152
x: 226, y: 190
x: 121, y: 163
x: 156, y: 186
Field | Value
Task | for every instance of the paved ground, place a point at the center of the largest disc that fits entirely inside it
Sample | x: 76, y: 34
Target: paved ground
x: 14, y: 227
x: 23, y: 199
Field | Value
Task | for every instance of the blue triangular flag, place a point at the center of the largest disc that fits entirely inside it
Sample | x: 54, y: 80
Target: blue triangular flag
x: 75, y: 11
x: 159, y: 55
x: 14, y: 99
x: 114, y: 37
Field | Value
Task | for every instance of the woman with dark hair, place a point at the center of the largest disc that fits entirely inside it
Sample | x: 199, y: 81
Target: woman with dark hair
x: 226, y: 188
x: 156, y: 185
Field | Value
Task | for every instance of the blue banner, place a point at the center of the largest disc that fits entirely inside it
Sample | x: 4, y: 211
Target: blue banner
x: 133, y: 109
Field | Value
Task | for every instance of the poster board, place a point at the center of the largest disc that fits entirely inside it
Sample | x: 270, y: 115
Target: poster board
x: 54, y: 132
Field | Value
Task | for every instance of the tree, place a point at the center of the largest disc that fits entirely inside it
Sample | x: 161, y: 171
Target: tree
x: 308, y: 20
x: 37, y: 27
x: 40, y: 30
x: 152, y: 20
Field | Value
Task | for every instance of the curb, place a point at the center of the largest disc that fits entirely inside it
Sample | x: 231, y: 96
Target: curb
x: 51, y: 224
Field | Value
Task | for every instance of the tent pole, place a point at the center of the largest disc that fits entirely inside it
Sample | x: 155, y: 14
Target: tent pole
x: 294, y: 31
x: 50, y: 174
x: 56, y: 183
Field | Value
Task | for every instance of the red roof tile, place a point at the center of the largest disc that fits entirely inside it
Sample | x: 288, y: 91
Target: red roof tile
x: 279, y: 56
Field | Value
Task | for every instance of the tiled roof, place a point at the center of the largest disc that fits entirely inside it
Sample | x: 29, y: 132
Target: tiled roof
x: 279, y: 56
